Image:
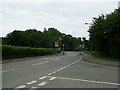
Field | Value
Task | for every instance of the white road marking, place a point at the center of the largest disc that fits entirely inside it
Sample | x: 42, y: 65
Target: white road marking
x: 64, y: 67
x: 43, y: 77
x: 42, y: 83
x: 32, y: 82
x: 9, y: 70
x: 52, y: 78
x: 40, y: 63
x: 61, y: 68
x: 56, y: 59
x: 21, y: 86
x: 58, y: 70
x: 34, y: 87
x: 49, y: 74
x: 83, y: 80
x: 51, y: 58
x: 54, y: 72
x: 68, y: 65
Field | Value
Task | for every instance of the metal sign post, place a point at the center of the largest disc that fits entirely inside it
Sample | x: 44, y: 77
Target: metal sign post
x: 56, y: 46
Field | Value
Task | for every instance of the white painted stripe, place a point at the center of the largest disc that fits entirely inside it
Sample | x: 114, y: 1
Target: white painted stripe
x: 21, y: 86
x: 68, y: 65
x: 56, y: 59
x: 58, y: 70
x: 9, y: 70
x: 100, y: 82
x: 49, y: 74
x: 64, y: 67
x: 42, y: 83
x: 43, y: 77
x: 34, y: 87
x: 52, y: 78
x: 61, y: 68
x: 51, y: 58
x: 54, y: 72
x: 32, y: 82
x: 40, y: 63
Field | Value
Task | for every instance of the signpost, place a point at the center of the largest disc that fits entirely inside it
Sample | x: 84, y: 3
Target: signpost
x: 56, y: 44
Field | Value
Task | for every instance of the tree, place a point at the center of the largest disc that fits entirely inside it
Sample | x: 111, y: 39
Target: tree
x: 105, y: 34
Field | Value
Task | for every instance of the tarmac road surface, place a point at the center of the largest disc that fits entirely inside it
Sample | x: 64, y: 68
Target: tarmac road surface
x: 58, y: 71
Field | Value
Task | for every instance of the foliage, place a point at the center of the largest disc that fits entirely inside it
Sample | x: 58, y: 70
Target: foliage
x: 9, y: 51
x: 45, y: 39
x: 105, y: 34
x: 101, y: 56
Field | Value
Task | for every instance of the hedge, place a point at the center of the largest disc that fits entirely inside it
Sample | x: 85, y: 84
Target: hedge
x: 9, y: 52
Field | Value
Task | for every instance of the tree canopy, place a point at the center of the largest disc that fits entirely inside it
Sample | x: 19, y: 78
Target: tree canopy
x: 105, y: 34
x: 45, y: 39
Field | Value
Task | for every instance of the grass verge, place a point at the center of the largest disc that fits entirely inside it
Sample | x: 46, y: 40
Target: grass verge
x: 101, y: 56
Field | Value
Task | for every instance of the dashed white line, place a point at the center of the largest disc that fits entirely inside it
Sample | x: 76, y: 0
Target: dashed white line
x: 56, y: 59
x: 61, y: 68
x: 43, y: 77
x: 42, y: 83
x: 100, y: 82
x: 34, y: 87
x: 49, y: 74
x: 52, y: 78
x: 21, y: 86
x: 54, y: 72
x: 32, y: 82
x: 68, y: 65
x: 58, y: 70
x: 9, y: 70
x: 40, y: 63
x: 64, y: 67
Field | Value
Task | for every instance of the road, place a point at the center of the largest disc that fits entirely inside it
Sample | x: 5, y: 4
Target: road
x: 58, y: 71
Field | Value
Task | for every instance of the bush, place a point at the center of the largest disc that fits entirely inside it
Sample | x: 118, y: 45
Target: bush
x: 9, y: 52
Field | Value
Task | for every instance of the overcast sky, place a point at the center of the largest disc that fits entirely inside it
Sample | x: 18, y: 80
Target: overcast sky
x: 68, y: 17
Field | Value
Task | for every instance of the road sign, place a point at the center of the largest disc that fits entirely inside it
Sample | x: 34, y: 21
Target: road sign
x: 56, y: 44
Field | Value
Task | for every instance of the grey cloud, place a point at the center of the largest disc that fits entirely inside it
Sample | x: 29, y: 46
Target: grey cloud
x: 68, y: 17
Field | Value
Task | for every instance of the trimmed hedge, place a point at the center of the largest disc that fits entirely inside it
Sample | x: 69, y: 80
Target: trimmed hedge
x: 9, y: 52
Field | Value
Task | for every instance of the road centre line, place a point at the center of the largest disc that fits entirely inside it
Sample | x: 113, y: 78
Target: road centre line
x: 34, y: 87
x: 40, y: 63
x: 45, y: 61
x: 49, y: 74
x: 9, y: 70
x: 56, y: 59
x: 42, y: 83
x: 62, y: 68
x: 43, y: 77
x: 32, y: 82
x: 52, y: 78
x: 54, y: 71
x: 21, y: 86
x: 84, y: 80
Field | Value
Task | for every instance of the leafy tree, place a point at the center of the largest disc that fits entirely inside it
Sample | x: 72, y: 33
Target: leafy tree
x: 105, y: 34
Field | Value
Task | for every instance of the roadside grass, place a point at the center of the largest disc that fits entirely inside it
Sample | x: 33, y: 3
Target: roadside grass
x: 101, y: 56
